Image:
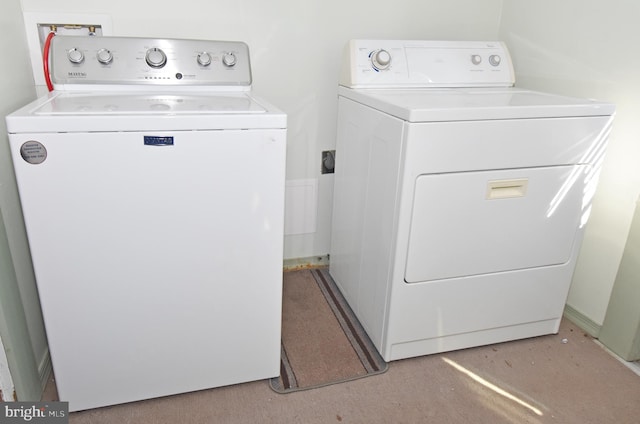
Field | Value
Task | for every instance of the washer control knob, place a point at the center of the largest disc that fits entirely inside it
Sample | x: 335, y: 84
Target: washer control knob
x: 229, y: 59
x: 104, y: 56
x: 380, y: 59
x: 75, y: 55
x: 476, y: 59
x: 495, y: 60
x: 156, y: 58
x: 204, y: 59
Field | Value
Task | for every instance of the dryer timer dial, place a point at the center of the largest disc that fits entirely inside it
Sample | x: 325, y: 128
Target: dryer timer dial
x: 380, y: 59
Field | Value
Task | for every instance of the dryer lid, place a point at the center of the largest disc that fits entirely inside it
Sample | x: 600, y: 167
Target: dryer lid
x: 472, y: 104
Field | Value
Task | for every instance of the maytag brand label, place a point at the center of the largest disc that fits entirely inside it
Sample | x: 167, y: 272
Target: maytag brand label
x: 77, y: 74
x: 34, y: 412
x: 152, y: 140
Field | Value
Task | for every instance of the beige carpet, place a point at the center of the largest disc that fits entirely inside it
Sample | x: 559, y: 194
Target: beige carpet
x: 322, y: 341
x: 564, y: 379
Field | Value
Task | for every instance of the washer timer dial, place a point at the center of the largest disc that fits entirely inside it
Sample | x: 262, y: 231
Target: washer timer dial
x: 156, y: 58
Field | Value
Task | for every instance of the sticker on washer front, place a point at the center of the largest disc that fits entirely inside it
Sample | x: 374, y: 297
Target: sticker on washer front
x: 33, y: 152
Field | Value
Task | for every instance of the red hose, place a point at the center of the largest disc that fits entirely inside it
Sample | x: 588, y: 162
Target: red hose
x: 45, y: 60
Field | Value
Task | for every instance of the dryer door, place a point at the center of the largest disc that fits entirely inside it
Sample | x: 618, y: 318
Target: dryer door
x: 473, y: 223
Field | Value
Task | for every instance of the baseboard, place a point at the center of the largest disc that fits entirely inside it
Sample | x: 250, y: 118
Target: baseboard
x: 306, y: 263
x: 582, y: 321
x: 633, y: 365
x: 44, y: 369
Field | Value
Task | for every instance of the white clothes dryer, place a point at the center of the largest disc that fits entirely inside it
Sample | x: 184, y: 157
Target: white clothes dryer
x: 152, y: 185
x: 460, y: 201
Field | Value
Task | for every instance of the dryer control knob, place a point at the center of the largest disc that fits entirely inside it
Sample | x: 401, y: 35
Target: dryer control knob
x: 104, y: 56
x: 204, y: 59
x: 75, y: 56
x: 495, y: 60
x: 229, y: 59
x: 380, y: 59
x: 155, y: 58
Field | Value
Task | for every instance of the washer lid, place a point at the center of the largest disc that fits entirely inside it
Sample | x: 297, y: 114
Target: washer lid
x: 92, y: 103
x: 472, y: 104
x: 138, y: 111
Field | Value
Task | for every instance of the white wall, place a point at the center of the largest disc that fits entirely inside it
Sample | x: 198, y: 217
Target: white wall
x: 296, y: 48
x: 589, y: 48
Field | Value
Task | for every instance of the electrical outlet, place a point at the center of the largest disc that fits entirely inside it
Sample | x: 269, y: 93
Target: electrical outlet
x: 328, y: 162
x: 38, y: 26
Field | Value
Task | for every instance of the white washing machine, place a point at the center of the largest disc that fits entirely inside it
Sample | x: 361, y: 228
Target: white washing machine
x: 152, y: 185
x: 460, y: 201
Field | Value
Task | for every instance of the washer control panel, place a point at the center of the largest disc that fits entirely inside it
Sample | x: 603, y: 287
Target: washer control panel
x: 81, y: 62
x: 416, y: 63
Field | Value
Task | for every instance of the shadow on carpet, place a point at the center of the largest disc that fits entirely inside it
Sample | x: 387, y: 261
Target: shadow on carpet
x: 322, y: 341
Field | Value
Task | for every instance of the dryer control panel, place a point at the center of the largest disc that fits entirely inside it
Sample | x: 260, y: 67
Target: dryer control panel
x: 107, y: 62
x: 422, y: 63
